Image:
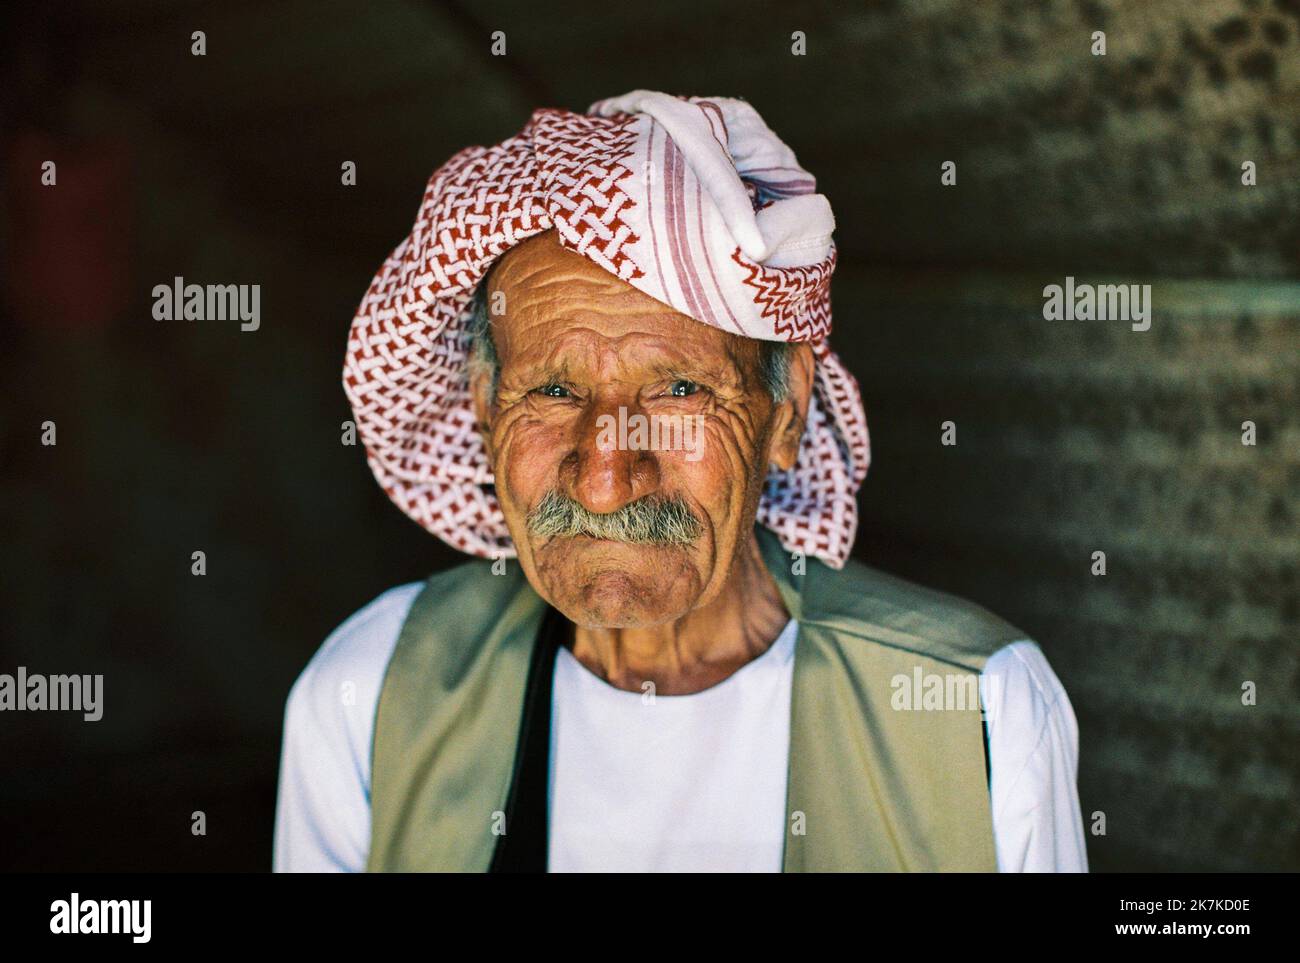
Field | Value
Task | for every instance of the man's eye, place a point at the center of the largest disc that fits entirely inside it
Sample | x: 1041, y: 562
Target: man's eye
x: 682, y: 388
x: 554, y: 391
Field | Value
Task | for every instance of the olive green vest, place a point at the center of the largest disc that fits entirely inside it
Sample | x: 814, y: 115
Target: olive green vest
x: 877, y: 781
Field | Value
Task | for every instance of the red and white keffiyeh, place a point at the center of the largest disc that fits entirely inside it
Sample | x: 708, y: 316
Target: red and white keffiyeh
x: 693, y: 201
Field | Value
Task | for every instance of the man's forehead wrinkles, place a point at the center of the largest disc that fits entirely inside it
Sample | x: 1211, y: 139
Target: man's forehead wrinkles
x: 599, y: 316
x: 563, y: 301
x: 549, y: 276
x: 631, y: 347
x: 568, y: 319
x: 599, y: 328
x: 544, y: 266
x: 609, y: 366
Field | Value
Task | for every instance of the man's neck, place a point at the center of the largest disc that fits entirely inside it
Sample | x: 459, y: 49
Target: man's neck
x: 698, y: 650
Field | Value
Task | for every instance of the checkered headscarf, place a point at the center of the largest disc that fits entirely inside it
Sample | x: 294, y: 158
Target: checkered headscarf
x: 693, y: 201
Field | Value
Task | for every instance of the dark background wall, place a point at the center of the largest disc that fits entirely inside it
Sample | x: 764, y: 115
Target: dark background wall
x: 1073, y: 437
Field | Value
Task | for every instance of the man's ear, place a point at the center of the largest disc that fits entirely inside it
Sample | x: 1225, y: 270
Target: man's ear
x: 792, y: 414
x: 481, y: 391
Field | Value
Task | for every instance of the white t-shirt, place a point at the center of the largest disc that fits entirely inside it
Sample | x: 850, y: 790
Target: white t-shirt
x: 680, y: 783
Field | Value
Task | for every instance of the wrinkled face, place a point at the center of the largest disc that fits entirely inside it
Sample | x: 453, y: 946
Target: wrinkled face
x: 629, y: 442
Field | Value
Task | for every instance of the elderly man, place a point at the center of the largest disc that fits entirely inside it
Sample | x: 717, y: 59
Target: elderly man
x: 599, y: 362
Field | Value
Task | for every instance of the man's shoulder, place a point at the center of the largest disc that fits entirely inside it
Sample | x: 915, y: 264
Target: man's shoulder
x: 350, y: 663
x: 862, y: 601
x: 363, y: 643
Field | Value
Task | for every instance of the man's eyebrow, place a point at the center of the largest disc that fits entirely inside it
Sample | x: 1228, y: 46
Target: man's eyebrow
x: 543, y: 370
x: 558, y: 371
x: 689, y: 369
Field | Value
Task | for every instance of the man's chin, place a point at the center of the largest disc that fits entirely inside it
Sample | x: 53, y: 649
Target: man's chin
x: 606, y: 584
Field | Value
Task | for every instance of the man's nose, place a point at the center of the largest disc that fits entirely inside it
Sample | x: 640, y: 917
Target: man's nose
x: 601, y: 471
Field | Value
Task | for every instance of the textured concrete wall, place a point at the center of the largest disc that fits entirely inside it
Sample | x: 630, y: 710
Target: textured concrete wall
x: 1077, y: 437
x: 1129, y: 161
x: 1086, y: 436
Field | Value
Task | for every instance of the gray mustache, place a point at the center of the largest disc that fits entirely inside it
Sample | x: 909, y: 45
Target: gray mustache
x: 646, y: 521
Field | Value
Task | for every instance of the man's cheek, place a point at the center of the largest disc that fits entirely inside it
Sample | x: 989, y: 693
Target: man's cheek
x: 731, y: 470
x: 693, y: 437
x: 726, y: 455
x: 527, y: 463
x: 705, y: 481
